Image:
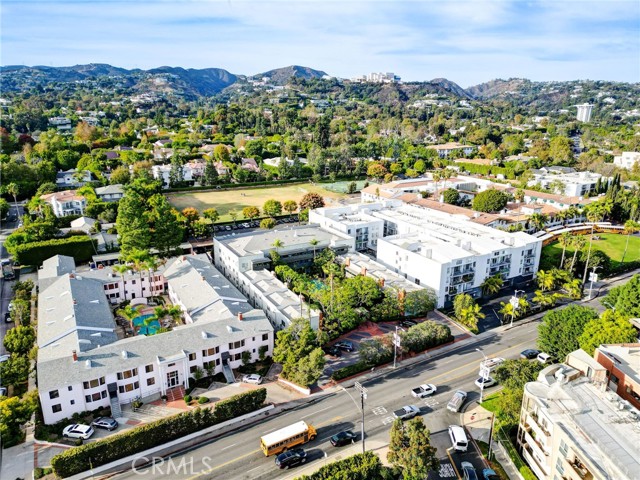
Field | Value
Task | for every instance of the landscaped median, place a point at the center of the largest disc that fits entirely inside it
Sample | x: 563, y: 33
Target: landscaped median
x: 139, y: 439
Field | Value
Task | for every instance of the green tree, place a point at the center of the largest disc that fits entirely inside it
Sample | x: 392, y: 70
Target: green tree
x: 359, y: 291
x: 211, y: 214
x: 410, y: 449
x: 176, y: 173
x: 492, y: 285
x: 4, y: 208
x: 610, y: 327
x: 19, y: 340
x: 515, y: 373
x: 120, y: 175
x: 625, y: 298
x: 15, y: 370
x: 14, y: 190
x: 267, y: 223
x: 538, y: 220
x: 630, y: 227
x: 132, y: 223
x: 560, y: 330
x: 210, y: 175
x: 234, y: 215
x: 221, y: 153
x: 250, y: 212
x: 311, y: 201
x: 418, y: 303
x: 272, y: 208
x: 375, y: 351
x: 546, y: 280
x: 578, y: 242
x: 470, y: 316
x: 560, y: 149
x: 298, y: 349
x: 451, y: 196
x: 14, y: 413
x: 461, y: 302
x: 167, y: 231
x: 191, y: 216
x: 490, y: 201
x: 564, y: 240
x: 290, y: 206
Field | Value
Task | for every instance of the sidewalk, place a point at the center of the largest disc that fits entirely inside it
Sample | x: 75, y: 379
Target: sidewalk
x: 477, y: 420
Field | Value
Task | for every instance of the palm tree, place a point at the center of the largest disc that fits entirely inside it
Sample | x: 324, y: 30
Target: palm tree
x: 492, y: 285
x: 506, y: 309
x: 469, y: 316
x: 573, y: 288
x: 564, y: 240
x: 277, y: 243
x: 546, y: 280
x: 538, y: 220
x: 519, y: 195
x: 545, y: 299
x: 313, y: 242
x: 13, y: 190
x: 578, y: 243
x: 629, y: 227
x: 561, y: 216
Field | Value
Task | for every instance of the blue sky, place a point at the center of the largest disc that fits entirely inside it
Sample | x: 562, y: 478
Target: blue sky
x: 468, y: 42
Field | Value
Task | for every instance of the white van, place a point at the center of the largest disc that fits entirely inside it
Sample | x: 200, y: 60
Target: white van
x: 544, y: 358
x: 458, y: 438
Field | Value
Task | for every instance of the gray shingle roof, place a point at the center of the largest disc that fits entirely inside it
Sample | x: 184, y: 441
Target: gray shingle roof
x: 109, y: 190
x: 54, y: 267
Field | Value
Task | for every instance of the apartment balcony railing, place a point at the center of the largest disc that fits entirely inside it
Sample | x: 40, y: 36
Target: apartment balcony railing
x: 582, y: 471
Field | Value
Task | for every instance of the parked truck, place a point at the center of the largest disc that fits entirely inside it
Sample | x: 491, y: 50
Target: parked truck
x: 455, y: 404
x: 407, y: 412
x: 424, y: 390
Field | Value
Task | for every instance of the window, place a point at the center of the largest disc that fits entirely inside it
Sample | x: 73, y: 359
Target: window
x: 54, y: 394
x: 127, y: 374
x: 192, y: 357
x: 563, y: 448
x: 211, y: 351
x: 559, y: 466
x: 234, y: 345
x: 265, y: 337
x: 69, y: 388
x: 95, y: 397
x: 151, y: 381
x: 56, y: 408
x: 148, y: 368
x: 94, y: 383
x: 129, y: 387
x: 73, y: 402
x: 193, y: 368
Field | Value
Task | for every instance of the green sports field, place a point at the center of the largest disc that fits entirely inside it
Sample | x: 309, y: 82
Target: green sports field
x: 611, y: 244
x: 226, y: 200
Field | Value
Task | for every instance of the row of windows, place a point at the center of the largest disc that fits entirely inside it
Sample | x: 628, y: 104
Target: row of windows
x: 95, y: 397
x: 129, y: 387
x: 127, y: 374
x: 93, y: 383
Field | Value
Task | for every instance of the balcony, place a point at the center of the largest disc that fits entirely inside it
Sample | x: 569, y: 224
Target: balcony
x: 533, y: 440
x: 540, y: 431
x: 582, y: 471
x: 541, y: 471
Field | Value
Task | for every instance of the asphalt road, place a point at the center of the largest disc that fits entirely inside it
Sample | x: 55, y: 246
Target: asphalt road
x: 6, y: 227
x: 237, y: 455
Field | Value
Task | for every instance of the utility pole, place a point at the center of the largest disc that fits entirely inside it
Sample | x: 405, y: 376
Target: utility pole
x: 593, y: 277
x: 396, y: 344
x: 586, y: 267
x: 363, y: 396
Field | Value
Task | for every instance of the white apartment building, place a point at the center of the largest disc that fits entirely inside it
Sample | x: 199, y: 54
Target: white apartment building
x: 575, y: 184
x: 445, y: 252
x: 65, y: 203
x: 238, y: 253
x: 584, y: 112
x: 571, y: 427
x: 446, y: 149
x: 627, y: 160
x: 84, y: 363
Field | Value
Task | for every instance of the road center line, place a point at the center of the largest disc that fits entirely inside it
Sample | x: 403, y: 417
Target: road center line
x: 317, y: 411
x: 232, y: 445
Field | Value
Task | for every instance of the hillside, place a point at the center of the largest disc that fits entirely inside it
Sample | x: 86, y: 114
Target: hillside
x: 281, y: 76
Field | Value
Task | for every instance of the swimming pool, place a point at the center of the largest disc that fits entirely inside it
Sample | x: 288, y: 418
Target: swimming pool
x: 151, y: 328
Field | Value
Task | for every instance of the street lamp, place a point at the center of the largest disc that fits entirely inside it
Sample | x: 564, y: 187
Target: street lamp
x: 593, y: 277
x: 607, y: 304
x: 396, y: 344
x: 483, y: 372
x: 363, y: 395
x: 515, y: 304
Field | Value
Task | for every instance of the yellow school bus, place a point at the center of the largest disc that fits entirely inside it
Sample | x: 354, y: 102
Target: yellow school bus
x: 288, y: 437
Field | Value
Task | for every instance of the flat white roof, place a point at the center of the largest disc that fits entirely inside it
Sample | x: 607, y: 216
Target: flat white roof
x: 284, y: 433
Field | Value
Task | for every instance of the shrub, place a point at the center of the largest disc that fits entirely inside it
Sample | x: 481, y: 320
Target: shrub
x: 362, y: 466
x: 81, y: 248
x: 349, y: 370
x: 187, y: 399
x: 425, y: 335
x: 202, y: 400
x: 136, y: 440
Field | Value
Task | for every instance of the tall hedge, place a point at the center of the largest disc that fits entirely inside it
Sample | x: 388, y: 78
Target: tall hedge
x: 80, y: 247
x: 144, y: 437
x: 362, y: 466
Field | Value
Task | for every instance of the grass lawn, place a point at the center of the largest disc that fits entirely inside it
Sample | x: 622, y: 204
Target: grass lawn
x: 611, y: 244
x: 484, y: 448
x: 491, y: 402
x: 226, y: 200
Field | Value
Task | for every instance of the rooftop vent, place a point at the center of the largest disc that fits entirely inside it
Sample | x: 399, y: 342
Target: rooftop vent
x: 124, y: 354
x: 87, y: 364
x: 94, y: 301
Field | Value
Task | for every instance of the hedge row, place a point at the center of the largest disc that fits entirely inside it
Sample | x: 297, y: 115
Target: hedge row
x: 139, y: 439
x: 233, y: 185
x: 361, y: 466
x: 80, y: 247
x: 349, y: 370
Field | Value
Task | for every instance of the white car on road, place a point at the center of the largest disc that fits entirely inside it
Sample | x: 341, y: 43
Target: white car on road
x: 253, y: 378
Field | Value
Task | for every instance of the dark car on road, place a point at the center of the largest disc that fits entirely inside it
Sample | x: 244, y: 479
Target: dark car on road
x: 344, y: 345
x: 343, y: 438
x: 333, y: 351
x: 408, y: 323
x: 106, y: 423
x: 7, y: 317
x: 291, y: 458
x: 529, y: 353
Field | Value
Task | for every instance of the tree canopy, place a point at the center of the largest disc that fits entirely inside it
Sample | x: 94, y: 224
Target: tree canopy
x: 490, y: 201
x: 560, y: 330
x: 410, y: 449
x: 610, y: 327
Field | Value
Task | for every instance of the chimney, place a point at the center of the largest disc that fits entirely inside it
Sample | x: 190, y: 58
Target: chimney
x: 347, y: 261
x: 203, y: 279
x: 240, y: 316
x: 363, y: 272
x: 74, y: 355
